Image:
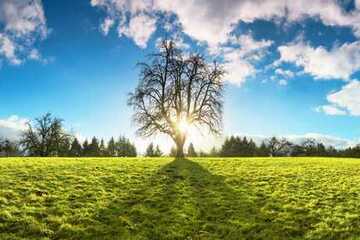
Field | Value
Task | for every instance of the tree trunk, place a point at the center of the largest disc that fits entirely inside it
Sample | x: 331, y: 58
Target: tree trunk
x: 180, y: 148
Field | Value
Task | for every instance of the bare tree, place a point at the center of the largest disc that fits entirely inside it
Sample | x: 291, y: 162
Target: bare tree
x: 45, y: 138
x: 176, y: 91
x: 278, y: 146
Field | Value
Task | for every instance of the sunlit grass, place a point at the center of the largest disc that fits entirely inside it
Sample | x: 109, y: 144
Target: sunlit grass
x: 305, y: 198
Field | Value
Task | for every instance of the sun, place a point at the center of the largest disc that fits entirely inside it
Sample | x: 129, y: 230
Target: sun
x: 184, y: 126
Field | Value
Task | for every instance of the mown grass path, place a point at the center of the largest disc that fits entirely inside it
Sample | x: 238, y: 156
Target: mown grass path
x: 287, y: 198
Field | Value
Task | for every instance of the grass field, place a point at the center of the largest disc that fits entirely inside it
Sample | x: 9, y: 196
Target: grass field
x: 304, y: 198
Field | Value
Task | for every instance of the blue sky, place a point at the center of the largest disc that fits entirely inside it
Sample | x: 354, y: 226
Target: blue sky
x: 292, y: 67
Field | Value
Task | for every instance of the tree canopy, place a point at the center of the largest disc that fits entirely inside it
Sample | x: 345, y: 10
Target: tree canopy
x: 45, y: 137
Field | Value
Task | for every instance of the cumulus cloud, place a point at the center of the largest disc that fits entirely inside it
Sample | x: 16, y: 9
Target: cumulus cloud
x: 22, y: 23
x: 23, y: 17
x: 212, y: 21
x: 344, y: 101
x: 136, y: 19
x: 12, y: 127
x: 240, y: 56
x: 237, y: 70
x: 340, y: 62
x: 140, y: 29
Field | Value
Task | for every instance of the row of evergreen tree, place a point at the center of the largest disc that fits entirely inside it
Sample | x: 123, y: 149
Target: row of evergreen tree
x: 154, y: 151
x: 232, y: 147
x: 235, y: 146
x: 95, y: 148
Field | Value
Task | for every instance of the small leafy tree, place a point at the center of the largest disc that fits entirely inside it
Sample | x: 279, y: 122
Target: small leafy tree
x: 125, y: 148
x: 75, y: 149
x: 150, y: 151
x: 94, y: 150
x: 191, y: 151
x: 111, y: 148
x: 86, y: 149
x: 158, y: 152
x: 214, y: 152
x: 102, y: 148
x: 263, y: 150
x: 64, y: 147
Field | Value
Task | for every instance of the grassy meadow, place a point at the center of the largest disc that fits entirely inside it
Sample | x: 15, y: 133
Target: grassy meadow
x: 260, y: 198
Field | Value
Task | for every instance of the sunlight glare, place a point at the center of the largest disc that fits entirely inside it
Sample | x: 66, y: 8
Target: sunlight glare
x: 184, y: 126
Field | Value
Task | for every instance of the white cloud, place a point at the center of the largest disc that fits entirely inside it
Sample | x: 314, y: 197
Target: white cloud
x: 23, y: 17
x: 21, y: 24
x: 212, y: 21
x: 8, y: 49
x: 106, y: 25
x: 240, y: 56
x: 206, y: 21
x: 34, y: 54
x: 251, y: 48
x: 283, y: 82
x: 136, y: 20
x: 284, y: 73
x: 340, y: 62
x: 237, y: 70
x: 344, y: 101
x: 12, y: 127
x: 331, y: 110
x: 140, y: 29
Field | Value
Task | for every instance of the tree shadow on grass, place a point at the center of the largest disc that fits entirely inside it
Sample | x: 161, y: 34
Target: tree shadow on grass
x: 183, y: 200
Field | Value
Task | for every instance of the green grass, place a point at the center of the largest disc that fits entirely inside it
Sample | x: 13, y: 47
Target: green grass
x: 304, y: 198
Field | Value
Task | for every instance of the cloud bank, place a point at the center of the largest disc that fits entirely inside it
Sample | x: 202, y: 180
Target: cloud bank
x: 213, y: 22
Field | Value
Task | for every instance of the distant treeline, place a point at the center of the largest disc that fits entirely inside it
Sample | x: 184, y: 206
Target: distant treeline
x: 245, y: 147
x: 72, y: 147
x: 113, y: 148
x: 46, y: 137
x: 232, y: 147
